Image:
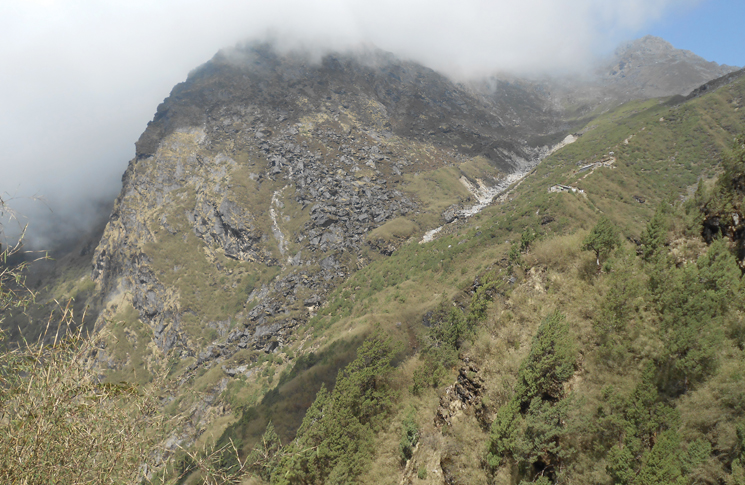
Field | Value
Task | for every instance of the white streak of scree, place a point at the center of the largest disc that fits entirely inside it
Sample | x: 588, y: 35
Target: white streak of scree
x: 430, y: 235
x: 485, y: 194
x: 278, y: 235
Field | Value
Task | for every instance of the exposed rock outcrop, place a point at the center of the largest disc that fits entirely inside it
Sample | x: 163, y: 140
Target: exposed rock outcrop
x: 287, y: 163
x: 463, y: 394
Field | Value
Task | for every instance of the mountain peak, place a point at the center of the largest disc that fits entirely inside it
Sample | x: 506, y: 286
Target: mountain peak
x: 648, y: 43
x: 652, y: 67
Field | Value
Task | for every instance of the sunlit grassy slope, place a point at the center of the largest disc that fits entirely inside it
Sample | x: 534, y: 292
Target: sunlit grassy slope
x: 659, y: 152
x: 655, y: 152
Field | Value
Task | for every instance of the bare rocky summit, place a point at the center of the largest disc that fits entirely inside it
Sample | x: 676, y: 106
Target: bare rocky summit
x: 651, y: 67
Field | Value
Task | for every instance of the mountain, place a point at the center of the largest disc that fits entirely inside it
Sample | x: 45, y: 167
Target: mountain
x: 650, y: 68
x: 266, y: 167
x: 275, y: 168
x: 278, y: 213
x: 641, y: 69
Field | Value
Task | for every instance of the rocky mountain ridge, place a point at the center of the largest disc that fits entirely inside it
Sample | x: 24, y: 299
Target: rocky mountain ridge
x: 331, y: 150
x: 651, y: 67
x: 645, y: 68
x: 266, y: 180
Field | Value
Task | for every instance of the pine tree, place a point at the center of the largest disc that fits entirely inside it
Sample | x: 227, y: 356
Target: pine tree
x: 602, y: 240
x: 653, y: 237
x: 550, y: 363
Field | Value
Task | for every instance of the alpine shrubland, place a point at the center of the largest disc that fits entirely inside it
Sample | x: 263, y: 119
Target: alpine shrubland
x: 590, y: 375
x: 576, y: 337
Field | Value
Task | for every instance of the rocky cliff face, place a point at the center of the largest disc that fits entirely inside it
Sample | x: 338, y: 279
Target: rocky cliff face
x: 265, y: 179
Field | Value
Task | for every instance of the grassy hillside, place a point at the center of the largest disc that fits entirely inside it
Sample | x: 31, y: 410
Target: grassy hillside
x: 659, y: 154
x: 501, y: 352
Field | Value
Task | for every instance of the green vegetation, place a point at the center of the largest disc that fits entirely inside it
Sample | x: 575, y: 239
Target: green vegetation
x: 409, y: 437
x: 529, y: 366
x: 602, y: 239
x: 529, y: 428
x: 653, y: 238
x: 646, y: 434
x: 396, y: 229
x: 335, y: 440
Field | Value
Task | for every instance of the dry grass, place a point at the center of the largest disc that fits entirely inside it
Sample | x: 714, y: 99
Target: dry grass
x: 557, y: 253
x: 60, y: 424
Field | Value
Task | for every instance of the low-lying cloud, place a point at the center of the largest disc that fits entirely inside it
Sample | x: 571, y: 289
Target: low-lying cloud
x: 81, y: 78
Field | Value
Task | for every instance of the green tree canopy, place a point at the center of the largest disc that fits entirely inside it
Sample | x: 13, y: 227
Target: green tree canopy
x: 653, y: 237
x: 602, y: 239
x: 335, y: 441
x: 732, y: 180
x: 550, y: 363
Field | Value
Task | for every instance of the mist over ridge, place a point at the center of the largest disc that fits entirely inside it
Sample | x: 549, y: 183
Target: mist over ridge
x: 82, y: 83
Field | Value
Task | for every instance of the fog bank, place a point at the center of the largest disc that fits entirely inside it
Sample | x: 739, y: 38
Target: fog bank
x: 81, y: 78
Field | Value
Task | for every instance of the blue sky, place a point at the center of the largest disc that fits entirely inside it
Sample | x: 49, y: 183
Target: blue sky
x: 713, y: 29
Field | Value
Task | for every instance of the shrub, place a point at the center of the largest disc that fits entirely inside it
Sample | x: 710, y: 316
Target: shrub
x: 602, y: 239
x: 428, y: 374
x: 335, y: 440
x: 409, y: 437
x: 550, y: 363
x: 654, y: 236
x: 60, y: 424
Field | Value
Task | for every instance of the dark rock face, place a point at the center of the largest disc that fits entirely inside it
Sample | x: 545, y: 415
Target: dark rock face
x: 343, y: 207
x: 730, y: 225
x: 464, y: 394
x: 281, y: 161
x: 228, y: 226
x: 411, y: 101
x: 450, y: 215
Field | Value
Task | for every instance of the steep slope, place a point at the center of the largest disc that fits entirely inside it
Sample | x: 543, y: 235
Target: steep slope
x: 651, y: 67
x: 274, y: 210
x: 267, y: 167
x: 264, y: 181
x: 659, y: 153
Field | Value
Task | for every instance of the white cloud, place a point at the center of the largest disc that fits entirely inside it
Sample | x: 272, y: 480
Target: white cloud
x: 81, y: 78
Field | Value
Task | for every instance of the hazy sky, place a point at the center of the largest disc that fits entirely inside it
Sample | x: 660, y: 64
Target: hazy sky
x: 80, y: 79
